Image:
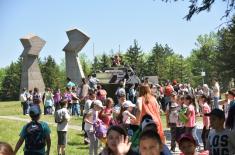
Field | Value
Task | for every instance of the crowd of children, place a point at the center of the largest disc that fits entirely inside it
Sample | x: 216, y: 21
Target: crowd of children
x: 132, y: 125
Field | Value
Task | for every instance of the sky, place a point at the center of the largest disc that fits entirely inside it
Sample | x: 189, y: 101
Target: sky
x: 108, y: 23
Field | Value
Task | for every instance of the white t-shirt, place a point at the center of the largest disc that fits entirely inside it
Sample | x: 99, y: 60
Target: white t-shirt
x: 87, y: 106
x: 221, y: 143
x: 64, y: 125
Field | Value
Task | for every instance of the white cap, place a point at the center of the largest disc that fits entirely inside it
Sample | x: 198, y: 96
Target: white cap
x: 98, y: 103
x: 127, y: 104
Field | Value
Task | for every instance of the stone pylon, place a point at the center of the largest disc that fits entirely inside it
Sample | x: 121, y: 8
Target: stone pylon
x: 31, y: 75
x: 77, y: 40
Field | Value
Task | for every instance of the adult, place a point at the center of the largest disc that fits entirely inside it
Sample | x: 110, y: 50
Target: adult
x: 36, y: 135
x: 167, y: 94
x: 48, y: 102
x: 6, y: 149
x: 24, y: 103
x: 93, y: 81
x: 216, y: 93
x: 70, y: 83
x: 83, y: 94
x: 147, y: 104
x: 101, y: 93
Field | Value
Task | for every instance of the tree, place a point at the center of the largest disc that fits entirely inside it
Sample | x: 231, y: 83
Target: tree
x: 51, y: 73
x: 105, y: 62
x: 205, y: 5
x: 86, y: 64
x: 203, y: 58
x: 226, y: 53
x: 11, y: 81
x: 134, y: 58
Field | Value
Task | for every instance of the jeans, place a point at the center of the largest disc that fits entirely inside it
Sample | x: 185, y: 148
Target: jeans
x: 204, y: 136
x: 76, y: 109
x: 25, y: 107
x: 93, y: 148
x: 173, y: 135
x: 193, y: 131
x: 216, y: 102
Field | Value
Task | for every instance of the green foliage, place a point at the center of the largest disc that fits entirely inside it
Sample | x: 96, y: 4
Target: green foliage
x: 11, y: 82
x: 51, y: 73
x: 2, y: 75
x: 134, y: 58
x: 86, y: 64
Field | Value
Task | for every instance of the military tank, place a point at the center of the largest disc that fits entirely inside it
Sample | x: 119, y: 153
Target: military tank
x: 112, y: 76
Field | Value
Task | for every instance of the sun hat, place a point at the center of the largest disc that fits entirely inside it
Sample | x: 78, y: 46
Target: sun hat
x: 98, y: 103
x: 127, y: 104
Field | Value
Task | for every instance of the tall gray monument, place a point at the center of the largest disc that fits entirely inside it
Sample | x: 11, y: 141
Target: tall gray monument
x: 31, y: 76
x: 77, y: 40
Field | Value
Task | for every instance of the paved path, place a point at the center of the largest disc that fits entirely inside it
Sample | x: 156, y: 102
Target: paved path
x: 75, y: 127
x: 79, y: 128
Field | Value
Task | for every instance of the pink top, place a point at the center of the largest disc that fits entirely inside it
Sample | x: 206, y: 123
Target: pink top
x: 108, y: 118
x: 206, y: 109
x: 191, y: 116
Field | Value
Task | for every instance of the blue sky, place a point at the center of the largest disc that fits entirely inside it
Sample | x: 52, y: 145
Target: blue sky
x: 108, y: 23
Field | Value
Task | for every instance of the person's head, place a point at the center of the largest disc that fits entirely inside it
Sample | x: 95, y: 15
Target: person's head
x: 6, y: 149
x: 122, y: 97
x: 24, y: 89
x: 35, y: 112
x: 109, y: 102
x: 36, y: 90
x: 83, y: 81
x: 73, y: 88
x: 63, y: 103
x: 217, y: 118
x: 188, y: 99
x: 48, y: 89
x: 113, y: 137
x: 98, y: 106
x: 187, y: 144
x: 174, y: 96
x: 150, y: 143
x: 148, y: 123
x: 68, y: 79
x: 203, y: 99
x: 180, y: 100
x: 144, y: 90
x: 231, y: 94
x: 92, y: 95
x: 128, y: 105
x: 99, y: 87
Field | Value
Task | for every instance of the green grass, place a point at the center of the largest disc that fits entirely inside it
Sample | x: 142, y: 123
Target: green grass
x: 9, y: 132
x: 10, y: 108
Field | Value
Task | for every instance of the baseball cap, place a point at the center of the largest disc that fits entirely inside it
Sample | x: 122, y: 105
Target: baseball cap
x: 188, y: 137
x: 146, y: 122
x: 216, y: 112
x: 34, y: 110
x: 127, y: 104
x: 98, y: 103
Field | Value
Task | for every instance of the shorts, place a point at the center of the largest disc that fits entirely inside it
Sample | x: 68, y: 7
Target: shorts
x: 62, y: 137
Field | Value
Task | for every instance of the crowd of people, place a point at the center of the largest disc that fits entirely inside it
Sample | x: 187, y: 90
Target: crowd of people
x: 131, y: 123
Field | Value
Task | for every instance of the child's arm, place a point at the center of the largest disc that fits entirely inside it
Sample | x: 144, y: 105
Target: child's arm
x: 130, y: 115
x: 87, y: 119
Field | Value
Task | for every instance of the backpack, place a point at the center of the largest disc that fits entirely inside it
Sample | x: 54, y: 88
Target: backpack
x: 59, y: 116
x: 23, y: 97
x: 100, y: 129
x: 35, y: 139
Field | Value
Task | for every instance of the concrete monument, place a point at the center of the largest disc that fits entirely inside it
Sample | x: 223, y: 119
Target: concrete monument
x: 77, y: 40
x: 31, y: 75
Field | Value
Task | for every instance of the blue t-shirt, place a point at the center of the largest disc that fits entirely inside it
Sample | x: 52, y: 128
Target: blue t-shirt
x: 46, y: 131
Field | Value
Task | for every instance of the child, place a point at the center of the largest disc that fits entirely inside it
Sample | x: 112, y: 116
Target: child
x: 190, y: 125
x: 90, y: 120
x: 187, y: 145
x: 172, y: 118
x: 203, y: 102
x: 48, y: 102
x: 35, y: 134
x: 62, y: 127
x: 6, y: 149
x: 106, y: 113
x: 117, y: 142
x: 220, y: 140
x: 150, y: 143
x: 125, y: 115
